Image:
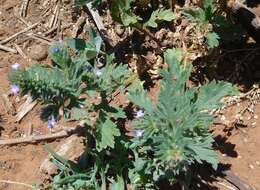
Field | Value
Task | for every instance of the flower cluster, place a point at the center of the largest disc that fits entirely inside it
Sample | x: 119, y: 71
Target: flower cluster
x: 52, y: 122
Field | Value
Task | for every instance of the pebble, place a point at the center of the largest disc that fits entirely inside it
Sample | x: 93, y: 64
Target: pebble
x: 38, y: 52
x: 255, y: 116
x: 251, y: 166
x: 257, y: 163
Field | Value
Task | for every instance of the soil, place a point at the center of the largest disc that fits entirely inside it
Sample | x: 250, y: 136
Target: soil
x: 238, y: 141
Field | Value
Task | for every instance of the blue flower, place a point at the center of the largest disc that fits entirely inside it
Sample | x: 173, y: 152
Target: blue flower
x: 15, y: 66
x: 98, y: 72
x: 52, y: 122
x: 139, y: 133
x: 15, y: 89
x: 56, y: 50
x: 139, y: 114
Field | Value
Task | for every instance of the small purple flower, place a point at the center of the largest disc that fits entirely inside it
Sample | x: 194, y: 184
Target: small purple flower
x: 56, y: 50
x: 98, y: 72
x: 15, y: 66
x: 139, y: 114
x: 15, y: 89
x: 139, y: 133
x: 52, y: 122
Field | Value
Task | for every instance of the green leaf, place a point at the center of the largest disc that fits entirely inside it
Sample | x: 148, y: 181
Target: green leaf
x: 129, y: 19
x: 79, y: 114
x: 107, y: 131
x: 158, y: 16
x: 204, y: 152
x: 118, y: 184
x: 212, y: 40
x: 60, y: 54
x: 209, y: 95
x: 76, y: 43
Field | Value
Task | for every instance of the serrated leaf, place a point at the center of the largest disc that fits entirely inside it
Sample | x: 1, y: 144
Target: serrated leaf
x: 209, y: 95
x: 204, y: 152
x: 107, y: 131
x: 158, y: 16
x: 212, y: 40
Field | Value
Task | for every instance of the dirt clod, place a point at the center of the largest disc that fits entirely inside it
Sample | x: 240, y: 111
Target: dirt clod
x: 38, y: 52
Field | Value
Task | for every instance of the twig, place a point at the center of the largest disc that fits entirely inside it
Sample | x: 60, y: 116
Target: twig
x: 20, y: 51
x: 24, y: 8
x: 24, y: 109
x: 227, y: 186
x: 236, y: 181
x: 79, y: 24
x: 8, y: 49
x: 40, y: 38
x: 16, y: 183
x: 33, y: 139
x: 18, y: 33
x: 53, y: 18
x: 99, y: 24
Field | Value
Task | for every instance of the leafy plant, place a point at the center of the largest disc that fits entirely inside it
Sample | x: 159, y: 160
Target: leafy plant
x: 176, y: 127
x: 169, y: 135
x: 204, y: 16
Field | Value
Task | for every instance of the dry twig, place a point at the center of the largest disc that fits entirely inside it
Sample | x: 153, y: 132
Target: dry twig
x: 24, y: 109
x: 16, y: 183
x: 24, y: 7
x: 33, y: 139
x: 8, y: 49
x: 236, y: 181
x: 18, y: 33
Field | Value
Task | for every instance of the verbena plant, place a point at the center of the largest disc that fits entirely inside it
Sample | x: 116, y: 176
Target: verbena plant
x: 169, y: 135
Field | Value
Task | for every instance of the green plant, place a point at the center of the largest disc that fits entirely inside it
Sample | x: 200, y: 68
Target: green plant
x: 66, y: 84
x: 169, y: 135
x: 204, y: 16
x: 176, y: 127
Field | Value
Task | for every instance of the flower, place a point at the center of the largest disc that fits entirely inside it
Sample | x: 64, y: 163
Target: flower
x: 139, y: 133
x: 98, y: 72
x: 56, y: 50
x: 15, y: 88
x: 15, y: 66
x: 139, y: 114
x: 51, y: 122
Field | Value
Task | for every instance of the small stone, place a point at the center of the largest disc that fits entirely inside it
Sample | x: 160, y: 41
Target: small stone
x: 245, y: 140
x: 38, y: 52
x: 239, y: 157
x: 255, y: 116
x: 257, y: 163
x: 253, y: 124
x: 223, y: 118
x: 251, y: 166
x: 224, y: 155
